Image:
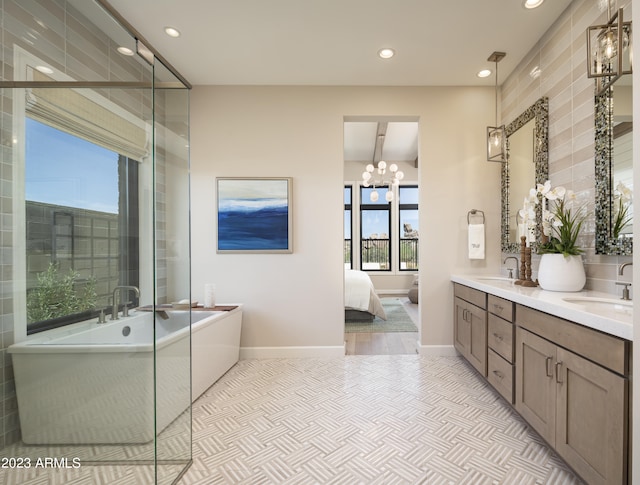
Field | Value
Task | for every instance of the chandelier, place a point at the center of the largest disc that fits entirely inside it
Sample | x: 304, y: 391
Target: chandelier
x: 376, y: 177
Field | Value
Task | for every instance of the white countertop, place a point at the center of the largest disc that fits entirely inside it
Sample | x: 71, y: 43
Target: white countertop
x: 614, y: 321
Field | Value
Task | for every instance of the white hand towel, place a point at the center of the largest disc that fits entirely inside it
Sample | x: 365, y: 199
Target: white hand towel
x: 476, y: 241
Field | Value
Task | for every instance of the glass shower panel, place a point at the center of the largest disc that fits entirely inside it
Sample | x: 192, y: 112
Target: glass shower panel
x: 172, y: 269
x: 94, y: 248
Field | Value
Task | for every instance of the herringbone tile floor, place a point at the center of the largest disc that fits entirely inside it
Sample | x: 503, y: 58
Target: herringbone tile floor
x: 396, y: 419
x: 393, y: 419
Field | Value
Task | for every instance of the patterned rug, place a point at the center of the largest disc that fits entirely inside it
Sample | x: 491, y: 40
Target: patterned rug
x: 398, y: 320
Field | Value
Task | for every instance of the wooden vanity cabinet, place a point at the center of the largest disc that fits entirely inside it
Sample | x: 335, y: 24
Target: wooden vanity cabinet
x: 500, y: 343
x: 470, y: 326
x: 572, y: 388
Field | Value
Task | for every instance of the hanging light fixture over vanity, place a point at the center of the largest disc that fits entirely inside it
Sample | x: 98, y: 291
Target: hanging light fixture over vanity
x: 496, y: 139
x: 609, y: 53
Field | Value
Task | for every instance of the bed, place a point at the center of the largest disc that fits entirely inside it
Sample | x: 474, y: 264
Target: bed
x: 361, y: 303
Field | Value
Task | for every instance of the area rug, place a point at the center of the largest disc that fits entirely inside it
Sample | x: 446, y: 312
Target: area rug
x: 398, y: 320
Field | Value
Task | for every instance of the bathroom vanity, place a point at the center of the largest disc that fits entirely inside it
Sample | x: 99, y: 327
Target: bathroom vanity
x: 562, y: 360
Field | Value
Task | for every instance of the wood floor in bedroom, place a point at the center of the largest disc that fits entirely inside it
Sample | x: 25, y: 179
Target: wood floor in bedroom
x: 392, y: 343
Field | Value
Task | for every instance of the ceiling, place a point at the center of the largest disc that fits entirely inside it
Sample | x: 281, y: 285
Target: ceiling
x: 335, y: 42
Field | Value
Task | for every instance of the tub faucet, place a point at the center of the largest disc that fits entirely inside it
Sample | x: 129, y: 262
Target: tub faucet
x: 511, y: 269
x: 116, y: 299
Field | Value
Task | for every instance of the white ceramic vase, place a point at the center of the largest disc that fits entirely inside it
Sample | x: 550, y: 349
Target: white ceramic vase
x: 557, y: 272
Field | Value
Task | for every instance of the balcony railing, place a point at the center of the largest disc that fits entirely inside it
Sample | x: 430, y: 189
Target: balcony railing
x: 409, y: 254
x: 375, y: 254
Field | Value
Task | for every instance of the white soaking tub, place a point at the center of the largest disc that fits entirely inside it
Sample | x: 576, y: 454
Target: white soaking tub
x: 91, y: 383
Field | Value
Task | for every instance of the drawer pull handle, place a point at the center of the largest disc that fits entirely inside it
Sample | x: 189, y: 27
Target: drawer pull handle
x: 559, y: 372
x: 548, y: 367
x: 498, y: 308
x: 498, y: 336
x: 498, y: 374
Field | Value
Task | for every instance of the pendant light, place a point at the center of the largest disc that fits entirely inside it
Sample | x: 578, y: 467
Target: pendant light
x: 496, y: 140
x: 609, y: 53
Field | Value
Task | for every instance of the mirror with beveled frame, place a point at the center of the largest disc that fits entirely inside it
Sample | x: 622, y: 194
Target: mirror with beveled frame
x: 527, y: 165
x: 614, y: 170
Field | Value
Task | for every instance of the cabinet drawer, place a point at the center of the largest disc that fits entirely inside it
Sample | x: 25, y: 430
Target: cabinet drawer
x: 606, y: 350
x: 501, y: 307
x: 500, y: 375
x: 477, y: 297
x: 500, y: 337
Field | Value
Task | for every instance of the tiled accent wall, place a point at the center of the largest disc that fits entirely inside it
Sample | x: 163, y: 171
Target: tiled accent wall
x: 63, y: 37
x: 560, y: 57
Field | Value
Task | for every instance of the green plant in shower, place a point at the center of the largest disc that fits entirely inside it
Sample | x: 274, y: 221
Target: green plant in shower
x: 58, y: 295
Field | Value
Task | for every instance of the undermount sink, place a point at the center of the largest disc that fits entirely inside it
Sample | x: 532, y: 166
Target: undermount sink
x: 602, y: 304
x: 495, y: 278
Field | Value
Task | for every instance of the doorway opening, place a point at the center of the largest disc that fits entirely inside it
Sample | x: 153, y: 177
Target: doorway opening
x: 381, y: 235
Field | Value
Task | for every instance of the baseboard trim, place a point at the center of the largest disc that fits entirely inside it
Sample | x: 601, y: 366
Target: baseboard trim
x: 291, y: 352
x: 437, y: 350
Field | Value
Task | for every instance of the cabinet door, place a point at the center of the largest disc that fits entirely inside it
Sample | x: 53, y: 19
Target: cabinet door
x: 591, y: 419
x: 535, y: 383
x: 478, y: 344
x: 462, y: 328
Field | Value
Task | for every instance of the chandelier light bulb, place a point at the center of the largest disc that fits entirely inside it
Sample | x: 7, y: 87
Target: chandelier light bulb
x: 399, y: 175
x: 374, y: 195
x: 366, y: 176
x: 393, y: 167
x: 388, y: 196
x: 382, y: 165
x: 370, y: 168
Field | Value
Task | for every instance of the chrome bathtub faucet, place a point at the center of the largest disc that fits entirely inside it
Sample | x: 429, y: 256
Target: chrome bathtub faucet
x: 116, y: 299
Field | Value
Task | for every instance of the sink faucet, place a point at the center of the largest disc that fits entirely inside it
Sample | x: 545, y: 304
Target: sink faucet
x: 625, y: 290
x: 511, y: 269
x: 622, y: 267
x: 116, y: 300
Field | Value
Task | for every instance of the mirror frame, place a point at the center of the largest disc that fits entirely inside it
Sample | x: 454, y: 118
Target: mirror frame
x: 603, y: 114
x: 540, y: 112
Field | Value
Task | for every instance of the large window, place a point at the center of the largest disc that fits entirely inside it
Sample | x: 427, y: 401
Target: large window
x: 81, y: 208
x: 348, y: 226
x: 408, y: 218
x: 375, y: 228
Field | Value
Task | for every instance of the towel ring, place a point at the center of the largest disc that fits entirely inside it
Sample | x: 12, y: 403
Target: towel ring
x: 474, y: 212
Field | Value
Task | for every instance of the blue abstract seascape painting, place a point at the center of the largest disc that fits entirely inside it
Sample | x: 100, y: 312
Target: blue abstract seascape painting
x: 254, y: 215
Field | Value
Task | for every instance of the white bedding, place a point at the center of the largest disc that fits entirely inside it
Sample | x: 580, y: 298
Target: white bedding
x: 359, y: 293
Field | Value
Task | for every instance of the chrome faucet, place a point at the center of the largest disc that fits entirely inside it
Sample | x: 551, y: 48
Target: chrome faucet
x: 622, y: 267
x: 116, y: 300
x: 625, y: 290
x: 511, y: 269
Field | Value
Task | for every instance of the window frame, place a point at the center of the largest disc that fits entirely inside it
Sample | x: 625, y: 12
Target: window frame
x: 400, y: 208
x: 376, y: 207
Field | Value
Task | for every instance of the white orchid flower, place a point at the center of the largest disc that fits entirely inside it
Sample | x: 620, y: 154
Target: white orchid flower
x: 626, y: 194
x: 556, y: 193
x: 543, y: 189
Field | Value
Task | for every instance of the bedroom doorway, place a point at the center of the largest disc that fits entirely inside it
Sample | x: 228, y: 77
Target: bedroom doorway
x: 381, y: 235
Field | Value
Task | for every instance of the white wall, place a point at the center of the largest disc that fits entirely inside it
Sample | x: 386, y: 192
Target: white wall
x: 296, y: 300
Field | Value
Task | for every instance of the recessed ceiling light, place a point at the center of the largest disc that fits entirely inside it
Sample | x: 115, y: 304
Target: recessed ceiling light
x: 484, y: 73
x: 44, y: 69
x: 386, y: 53
x: 125, y: 51
x: 532, y: 3
x: 171, y: 32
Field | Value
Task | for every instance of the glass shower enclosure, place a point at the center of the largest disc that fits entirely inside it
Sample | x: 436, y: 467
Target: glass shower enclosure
x: 95, y: 314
